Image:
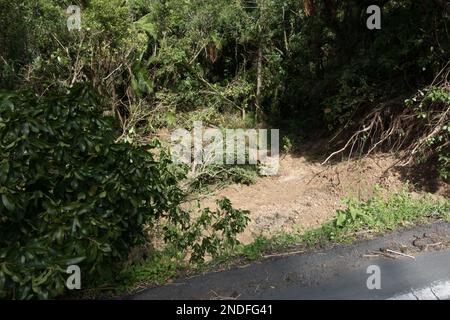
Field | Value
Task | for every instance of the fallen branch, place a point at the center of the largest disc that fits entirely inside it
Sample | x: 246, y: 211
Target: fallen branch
x: 400, y: 254
x: 282, y: 254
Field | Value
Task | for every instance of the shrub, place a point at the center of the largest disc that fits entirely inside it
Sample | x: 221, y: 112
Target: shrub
x: 69, y: 194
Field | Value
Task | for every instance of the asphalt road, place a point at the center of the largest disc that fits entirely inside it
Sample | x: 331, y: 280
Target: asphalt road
x: 338, y: 272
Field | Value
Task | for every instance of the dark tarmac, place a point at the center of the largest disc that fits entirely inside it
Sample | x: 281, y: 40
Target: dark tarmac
x: 338, y: 272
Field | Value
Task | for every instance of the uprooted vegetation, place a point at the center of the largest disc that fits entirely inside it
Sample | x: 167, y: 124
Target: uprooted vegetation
x: 418, y: 127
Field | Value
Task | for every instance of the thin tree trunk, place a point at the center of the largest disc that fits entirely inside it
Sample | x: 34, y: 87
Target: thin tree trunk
x: 310, y: 10
x: 259, y: 81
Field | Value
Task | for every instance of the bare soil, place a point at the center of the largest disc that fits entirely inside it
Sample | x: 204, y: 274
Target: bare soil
x: 305, y: 193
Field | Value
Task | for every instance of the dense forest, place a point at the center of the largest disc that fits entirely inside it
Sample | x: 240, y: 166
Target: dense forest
x: 85, y: 176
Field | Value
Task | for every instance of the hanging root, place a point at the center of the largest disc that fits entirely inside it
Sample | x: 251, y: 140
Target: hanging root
x: 417, y: 127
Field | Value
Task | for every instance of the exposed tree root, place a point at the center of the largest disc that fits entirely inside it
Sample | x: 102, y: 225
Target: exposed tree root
x: 410, y: 129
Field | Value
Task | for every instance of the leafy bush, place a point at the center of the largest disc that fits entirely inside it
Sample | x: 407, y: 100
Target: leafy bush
x: 381, y: 213
x: 212, y: 234
x: 69, y: 194
x: 431, y: 107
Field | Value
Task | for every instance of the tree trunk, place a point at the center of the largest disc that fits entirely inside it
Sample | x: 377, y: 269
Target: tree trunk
x: 309, y: 8
x: 259, y: 81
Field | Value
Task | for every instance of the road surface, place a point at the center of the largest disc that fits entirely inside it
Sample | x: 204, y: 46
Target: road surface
x: 338, y: 272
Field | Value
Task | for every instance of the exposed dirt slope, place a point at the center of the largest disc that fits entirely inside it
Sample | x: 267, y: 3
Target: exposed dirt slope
x: 305, y: 193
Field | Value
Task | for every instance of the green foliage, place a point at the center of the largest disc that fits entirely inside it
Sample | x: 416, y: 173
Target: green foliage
x: 381, y: 213
x: 156, y: 269
x: 431, y: 107
x: 286, y: 144
x: 27, y: 27
x: 44, y: 54
x: 264, y: 245
x: 444, y: 165
x: 220, y: 175
x: 348, y: 69
x: 318, y: 71
x: 69, y: 194
x: 211, y: 235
